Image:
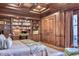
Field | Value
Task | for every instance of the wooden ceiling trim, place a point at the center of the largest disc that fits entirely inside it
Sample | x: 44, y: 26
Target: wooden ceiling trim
x: 24, y: 11
x: 17, y: 8
x: 20, y: 10
x: 14, y: 16
x: 18, y: 13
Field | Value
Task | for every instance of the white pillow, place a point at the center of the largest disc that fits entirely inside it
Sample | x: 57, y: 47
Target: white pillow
x: 9, y: 42
x: 2, y: 40
x: 4, y: 46
x: 1, y: 44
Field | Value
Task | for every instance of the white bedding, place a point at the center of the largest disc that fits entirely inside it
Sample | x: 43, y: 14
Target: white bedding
x: 22, y: 48
x: 36, y: 48
x: 18, y: 49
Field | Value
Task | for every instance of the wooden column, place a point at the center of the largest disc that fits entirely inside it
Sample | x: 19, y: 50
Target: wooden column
x: 68, y: 18
x: 62, y: 29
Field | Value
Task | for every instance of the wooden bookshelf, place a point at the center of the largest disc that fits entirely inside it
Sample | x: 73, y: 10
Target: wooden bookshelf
x: 5, y: 26
x: 21, y: 28
x: 36, y: 30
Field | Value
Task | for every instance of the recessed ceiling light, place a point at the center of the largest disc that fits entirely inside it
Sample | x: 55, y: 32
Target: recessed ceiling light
x: 38, y: 6
x: 36, y: 10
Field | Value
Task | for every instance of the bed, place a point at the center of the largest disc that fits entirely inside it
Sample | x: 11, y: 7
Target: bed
x: 18, y: 49
x: 25, y: 48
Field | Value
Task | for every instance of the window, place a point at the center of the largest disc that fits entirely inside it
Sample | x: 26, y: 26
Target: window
x: 75, y: 31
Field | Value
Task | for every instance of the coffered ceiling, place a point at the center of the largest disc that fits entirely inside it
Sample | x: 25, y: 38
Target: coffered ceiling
x: 35, y: 10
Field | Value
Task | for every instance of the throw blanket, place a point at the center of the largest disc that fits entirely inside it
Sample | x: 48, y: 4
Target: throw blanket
x: 36, y: 48
x: 71, y: 51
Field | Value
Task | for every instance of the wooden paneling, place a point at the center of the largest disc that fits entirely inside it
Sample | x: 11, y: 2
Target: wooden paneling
x: 62, y: 29
x: 53, y: 29
x: 48, y: 30
x: 57, y: 41
x: 62, y: 44
x: 68, y: 28
x: 25, y: 11
x: 44, y: 30
x: 57, y: 25
x: 36, y: 37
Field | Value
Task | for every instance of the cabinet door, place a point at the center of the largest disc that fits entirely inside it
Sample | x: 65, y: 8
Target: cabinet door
x: 57, y: 26
x: 62, y: 30
x: 45, y: 30
x: 48, y: 30
x: 52, y: 30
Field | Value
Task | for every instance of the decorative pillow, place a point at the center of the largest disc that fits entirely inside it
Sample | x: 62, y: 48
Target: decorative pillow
x: 4, y: 45
x: 1, y: 44
x: 9, y: 42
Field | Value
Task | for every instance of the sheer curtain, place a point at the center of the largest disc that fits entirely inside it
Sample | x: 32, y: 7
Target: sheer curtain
x: 75, y: 31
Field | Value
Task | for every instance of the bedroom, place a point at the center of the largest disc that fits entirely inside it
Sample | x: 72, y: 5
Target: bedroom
x: 39, y: 26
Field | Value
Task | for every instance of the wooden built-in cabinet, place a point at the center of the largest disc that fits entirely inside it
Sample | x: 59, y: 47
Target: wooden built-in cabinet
x: 36, y: 30
x: 21, y: 28
x: 5, y: 26
x: 52, y: 28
